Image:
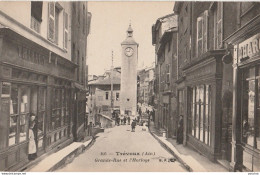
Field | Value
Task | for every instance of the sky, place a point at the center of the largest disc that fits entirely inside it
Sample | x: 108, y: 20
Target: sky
x: 109, y: 23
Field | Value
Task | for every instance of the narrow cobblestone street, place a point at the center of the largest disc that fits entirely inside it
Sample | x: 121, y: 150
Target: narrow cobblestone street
x: 119, y: 149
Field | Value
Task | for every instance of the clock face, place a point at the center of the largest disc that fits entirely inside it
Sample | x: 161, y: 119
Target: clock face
x: 129, y: 51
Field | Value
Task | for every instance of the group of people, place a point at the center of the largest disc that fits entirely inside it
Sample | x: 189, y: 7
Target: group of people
x: 123, y: 120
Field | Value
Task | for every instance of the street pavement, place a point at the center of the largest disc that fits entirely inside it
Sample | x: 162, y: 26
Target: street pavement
x: 119, y: 149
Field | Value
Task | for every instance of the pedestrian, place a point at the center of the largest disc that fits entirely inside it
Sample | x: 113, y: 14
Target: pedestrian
x: 32, y: 145
x: 180, y: 130
x: 133, y: 125
x: 124, y: 120
x: 90, y: 126
x: 128, y: 119
x: 118, y: 120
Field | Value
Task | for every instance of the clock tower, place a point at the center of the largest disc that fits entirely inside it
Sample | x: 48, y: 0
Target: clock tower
x: 128, y: 99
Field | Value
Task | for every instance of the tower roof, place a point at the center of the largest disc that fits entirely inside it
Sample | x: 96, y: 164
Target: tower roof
x: 129, y: 30
x: 129, y: 39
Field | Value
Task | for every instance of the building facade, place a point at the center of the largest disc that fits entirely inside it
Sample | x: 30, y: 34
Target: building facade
x: 164, y: 34
x: 80, y: 21
x: 204, y: 82
x: 145, y: 90
x: 244, y: 54
x: 36, y: 77
x: 99, y: 99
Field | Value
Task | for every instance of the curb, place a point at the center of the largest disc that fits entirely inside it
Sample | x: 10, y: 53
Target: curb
x: 186, y: 166
x: 70, y: 157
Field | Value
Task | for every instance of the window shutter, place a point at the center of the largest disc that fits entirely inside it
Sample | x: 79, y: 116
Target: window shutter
x: 199, y: 36
x: 66, y: 30
x: 51, y: 23
x: 205, y: 31
x: 219, y: 24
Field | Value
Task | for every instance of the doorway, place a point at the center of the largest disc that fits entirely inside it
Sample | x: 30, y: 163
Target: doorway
x: 38, y: 103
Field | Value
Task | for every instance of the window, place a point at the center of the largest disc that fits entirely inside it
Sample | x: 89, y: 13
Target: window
x: 66, y: 30
x: 41, y: 115
x: 117, y: 96
x: 106, y: 95
x: 57, y: 12
x: 200, y: 113
x: 79, y: 13
x: 14, y: 115
x: 56, y: 108
x: 250, y: 99
x: 84, y: 19
x: 168, y: 74
x: 53, y: 23
x: 218, y: 26
x: 18, y: 118
x: 82, y: 70
x: 78, y: 68
x: 36, y: 15
x: 202, y: 33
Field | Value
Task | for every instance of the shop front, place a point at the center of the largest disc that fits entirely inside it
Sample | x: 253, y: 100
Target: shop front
x: 246, y: 101
x: 202, y: 123
x: 34, y: 88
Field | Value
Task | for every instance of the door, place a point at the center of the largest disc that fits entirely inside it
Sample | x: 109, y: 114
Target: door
x: 38, y: 103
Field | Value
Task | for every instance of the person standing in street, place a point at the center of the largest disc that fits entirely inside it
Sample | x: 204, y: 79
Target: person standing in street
x: 133, y: 125
x: 180, y: 130
x: 124, y: 120
x: 90, y: 126
x: 32, y: 145
x: 128, y: 119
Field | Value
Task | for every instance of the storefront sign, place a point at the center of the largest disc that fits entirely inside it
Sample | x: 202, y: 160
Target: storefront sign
x: 30, y: 55
x: 248, y: 48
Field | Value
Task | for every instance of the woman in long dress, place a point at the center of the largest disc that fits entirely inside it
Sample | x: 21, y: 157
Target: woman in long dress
x: 32, y: 146
x: 180, y: 131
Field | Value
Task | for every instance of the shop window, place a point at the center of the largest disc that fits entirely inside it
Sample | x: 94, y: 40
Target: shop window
x: 56, y: 109
x: 41, y: 110
x: 24, y: 112
x: 251, y: 107
x: 202, y: 33
x: 36, y: 15
x: 4, y: 111
x: 200, y: 111
x: 13, y: 115
x: 18, y: 119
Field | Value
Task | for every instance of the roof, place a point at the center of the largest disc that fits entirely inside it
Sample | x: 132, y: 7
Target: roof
x: 129, y: 39
x: 106, y: 81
